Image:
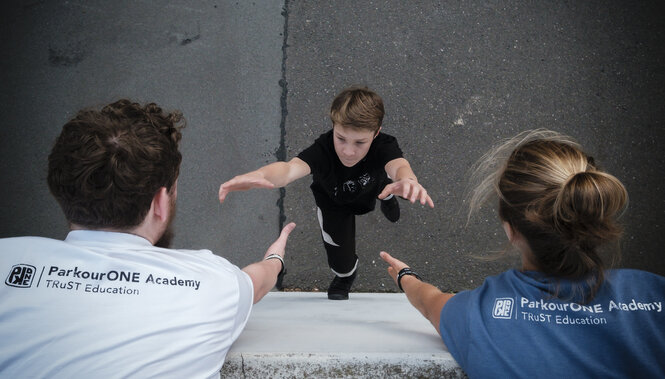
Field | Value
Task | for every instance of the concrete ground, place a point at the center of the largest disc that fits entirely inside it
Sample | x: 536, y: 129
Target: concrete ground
x: 255, y: 79
x: 372, y: 335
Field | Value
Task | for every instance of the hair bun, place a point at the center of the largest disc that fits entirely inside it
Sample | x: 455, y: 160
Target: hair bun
x: 587, y: 206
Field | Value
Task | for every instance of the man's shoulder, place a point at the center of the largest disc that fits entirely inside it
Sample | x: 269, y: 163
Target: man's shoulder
x: 29, y: 240
x: 112, y: 246
x: 199, y: 255
x: 201, y: 260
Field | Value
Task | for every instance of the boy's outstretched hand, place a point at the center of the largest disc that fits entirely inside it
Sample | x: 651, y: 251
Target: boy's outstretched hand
x: 243, y: 183
x: 409, y: 189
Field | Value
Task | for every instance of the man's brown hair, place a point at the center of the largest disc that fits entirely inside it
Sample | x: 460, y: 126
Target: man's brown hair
x: 357, y: 107
x: 107, y: 165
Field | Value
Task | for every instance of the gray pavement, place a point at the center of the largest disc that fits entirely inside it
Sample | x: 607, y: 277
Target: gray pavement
x: 255, y: 80
x: 219, y: 62
x: 372, y: 335
x: 457, y: 77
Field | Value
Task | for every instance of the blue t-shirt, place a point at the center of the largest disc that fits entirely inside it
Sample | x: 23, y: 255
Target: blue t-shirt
x: 511, y: 327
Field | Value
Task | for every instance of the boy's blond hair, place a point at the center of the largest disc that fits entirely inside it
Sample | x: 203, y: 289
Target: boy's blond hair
x: 357, y: 107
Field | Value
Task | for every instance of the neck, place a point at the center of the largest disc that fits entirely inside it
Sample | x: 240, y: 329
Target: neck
x: 527, y: 261
x: 525, y: 254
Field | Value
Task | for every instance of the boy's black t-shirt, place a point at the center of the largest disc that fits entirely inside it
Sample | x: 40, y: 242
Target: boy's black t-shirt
x: 352, y: 188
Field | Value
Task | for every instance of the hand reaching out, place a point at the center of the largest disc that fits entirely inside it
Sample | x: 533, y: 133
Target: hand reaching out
x: 408, y: 189
x: 243, y: 183
x: 427, y: 299
x: 262, y: 273
x: 279, y: 246
x: 395, y: 265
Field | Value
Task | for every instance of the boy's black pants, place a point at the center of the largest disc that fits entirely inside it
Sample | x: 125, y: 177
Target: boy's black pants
x: 338, y: 230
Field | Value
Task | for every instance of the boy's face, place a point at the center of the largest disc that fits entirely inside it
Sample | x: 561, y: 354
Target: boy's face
x: 351, y: 145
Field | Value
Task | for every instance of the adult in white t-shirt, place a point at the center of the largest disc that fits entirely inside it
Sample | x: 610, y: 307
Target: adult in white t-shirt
x: 108, y: 301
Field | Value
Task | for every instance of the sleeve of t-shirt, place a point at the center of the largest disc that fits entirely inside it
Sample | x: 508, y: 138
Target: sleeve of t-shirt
x: 314, y: 156
x: 454, y: 326
x: 389, y: 149
x: 245, y: 301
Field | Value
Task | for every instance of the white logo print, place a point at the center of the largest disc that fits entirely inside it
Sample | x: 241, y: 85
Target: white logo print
x: 349, y: 186
x: 364, y: 179
x: 503, y: 308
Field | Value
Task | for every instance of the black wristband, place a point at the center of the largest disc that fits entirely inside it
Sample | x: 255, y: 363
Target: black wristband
x: 405, y: 271
x: 276, y: 256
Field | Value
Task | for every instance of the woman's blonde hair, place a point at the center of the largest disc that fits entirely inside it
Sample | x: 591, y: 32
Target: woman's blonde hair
x: 555, y: 196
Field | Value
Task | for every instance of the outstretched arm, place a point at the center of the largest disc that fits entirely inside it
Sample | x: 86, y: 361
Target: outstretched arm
x: 426, y: 298
x: 264, y: 273
x: 274, y: 175
x: 405, y: 183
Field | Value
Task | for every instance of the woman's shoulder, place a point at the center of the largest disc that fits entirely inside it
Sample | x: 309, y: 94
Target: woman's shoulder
x: 633, y: 272
x: 630, y: 276
x: 510, y: 281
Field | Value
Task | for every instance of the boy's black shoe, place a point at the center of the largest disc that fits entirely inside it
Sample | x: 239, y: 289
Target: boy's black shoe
x: 340, y: 287
x: 390, y: 209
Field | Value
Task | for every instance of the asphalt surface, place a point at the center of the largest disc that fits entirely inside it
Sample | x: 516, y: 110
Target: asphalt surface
x: 255, y: 80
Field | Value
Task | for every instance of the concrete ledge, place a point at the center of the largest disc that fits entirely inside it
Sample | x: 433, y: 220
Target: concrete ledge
x: 341, y: 366
x: 372, y: 335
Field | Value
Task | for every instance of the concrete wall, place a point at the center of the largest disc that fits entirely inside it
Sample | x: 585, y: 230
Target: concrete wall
x: 455, y: 77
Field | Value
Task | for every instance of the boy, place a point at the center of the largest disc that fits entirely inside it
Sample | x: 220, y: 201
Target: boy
x: 351, y: 165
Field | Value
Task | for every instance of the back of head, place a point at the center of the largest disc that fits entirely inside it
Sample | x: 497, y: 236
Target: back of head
x: 357, y: 107
x: 555, y: 196
x: 107, y: 165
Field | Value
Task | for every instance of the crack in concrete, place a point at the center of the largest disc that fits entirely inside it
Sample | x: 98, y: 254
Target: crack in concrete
x: 281, y: 151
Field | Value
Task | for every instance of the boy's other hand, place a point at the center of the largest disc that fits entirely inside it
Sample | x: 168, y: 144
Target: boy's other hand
x: 408, y: 189
x: 243, y: 183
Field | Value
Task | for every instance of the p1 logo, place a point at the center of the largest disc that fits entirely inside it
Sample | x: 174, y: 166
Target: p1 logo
x: 503, y: 307
x: 21, y: 276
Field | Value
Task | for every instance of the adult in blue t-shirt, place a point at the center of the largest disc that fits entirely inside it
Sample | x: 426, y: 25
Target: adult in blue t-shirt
x: 563, y: 314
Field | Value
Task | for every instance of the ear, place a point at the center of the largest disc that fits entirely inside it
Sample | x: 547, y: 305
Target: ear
x: 510, y: 232
x: 377, y: 132
x: 161, y: 204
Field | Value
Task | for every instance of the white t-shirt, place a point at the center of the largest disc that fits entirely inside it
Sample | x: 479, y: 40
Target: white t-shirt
x: 103, y: 304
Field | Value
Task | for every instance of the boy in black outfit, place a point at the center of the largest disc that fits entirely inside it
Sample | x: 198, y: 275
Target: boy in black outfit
x: 351, y: 165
